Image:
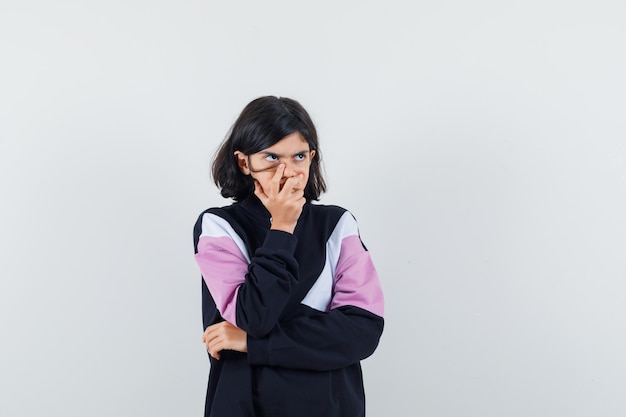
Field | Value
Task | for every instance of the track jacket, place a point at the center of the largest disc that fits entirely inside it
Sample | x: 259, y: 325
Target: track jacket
x: 310, y: 303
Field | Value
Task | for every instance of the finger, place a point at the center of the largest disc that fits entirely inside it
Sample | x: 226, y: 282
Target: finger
x: 213, y: 354
x: 215, y: 348
x: 300, y: 185
x: 209, y: 330
x: 210, y: 347
x: 299, y: 203
x: 211, y: 335
x: 214, y: 331
x: 294, y: 187
x: 205, y: 334
x: 289, y: 185
x: 275, y: 181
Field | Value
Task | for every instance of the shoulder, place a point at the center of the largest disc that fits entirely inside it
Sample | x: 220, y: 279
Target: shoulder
x: 338, y: 212
x: 213, y: 221
x: 211, y: 213
x: 325, y: 210
x: 325, y: 216
x: 337, y: 220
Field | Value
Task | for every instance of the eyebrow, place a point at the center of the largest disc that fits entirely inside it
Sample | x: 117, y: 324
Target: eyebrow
x: 279, y: 155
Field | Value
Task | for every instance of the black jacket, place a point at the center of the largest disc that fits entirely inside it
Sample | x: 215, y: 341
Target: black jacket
x: 311, y: 304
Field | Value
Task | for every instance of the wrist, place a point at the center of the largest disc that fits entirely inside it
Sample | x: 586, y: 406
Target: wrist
x: 285, y: 227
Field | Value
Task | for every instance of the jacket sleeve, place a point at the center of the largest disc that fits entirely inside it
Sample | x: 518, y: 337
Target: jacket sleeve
x: 347, y: 332
x: 250, y: 293
x: 320, y: 341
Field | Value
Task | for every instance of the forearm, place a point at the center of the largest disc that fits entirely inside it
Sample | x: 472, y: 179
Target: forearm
x: 272, y: 273
x: 318, y: 340
x: 248, y: 292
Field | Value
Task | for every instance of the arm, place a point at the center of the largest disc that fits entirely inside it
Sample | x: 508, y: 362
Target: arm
x: 316, y: 340
x: 255, y: 302
x: 348, y: 332
x: 224, y: 336
x: 249, y: 295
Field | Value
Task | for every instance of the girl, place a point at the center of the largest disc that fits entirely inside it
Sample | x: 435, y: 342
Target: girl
x: 291, y: 301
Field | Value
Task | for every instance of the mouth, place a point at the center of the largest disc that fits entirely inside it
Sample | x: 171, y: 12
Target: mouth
x: 298, y: 188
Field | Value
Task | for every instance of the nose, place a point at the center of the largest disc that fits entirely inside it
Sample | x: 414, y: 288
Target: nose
x: 290, y: 170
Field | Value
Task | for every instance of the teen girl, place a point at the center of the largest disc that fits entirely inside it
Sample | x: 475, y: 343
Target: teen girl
x: 291, y: 301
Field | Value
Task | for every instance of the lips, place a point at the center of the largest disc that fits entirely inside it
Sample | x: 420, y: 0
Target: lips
x: 280, y: 188
x: 282, y: 182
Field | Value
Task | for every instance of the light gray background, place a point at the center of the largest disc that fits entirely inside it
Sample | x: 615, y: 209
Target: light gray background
x: 481, y: 145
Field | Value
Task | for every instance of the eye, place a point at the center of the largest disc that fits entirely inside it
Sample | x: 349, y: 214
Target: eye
x: 300, y: 157
x: 271, y: 158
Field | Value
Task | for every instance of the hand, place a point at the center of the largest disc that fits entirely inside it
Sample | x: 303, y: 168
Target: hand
x: 224, y: 336
x: 284, y: 203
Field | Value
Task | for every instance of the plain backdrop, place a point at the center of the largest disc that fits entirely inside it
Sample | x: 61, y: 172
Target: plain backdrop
x: 481, y: 145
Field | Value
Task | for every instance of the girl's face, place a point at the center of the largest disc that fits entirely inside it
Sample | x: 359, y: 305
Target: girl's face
x: 293, y: 151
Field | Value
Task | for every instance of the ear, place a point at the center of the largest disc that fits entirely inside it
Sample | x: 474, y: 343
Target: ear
x: 242, y: 162
x: 312, y: 153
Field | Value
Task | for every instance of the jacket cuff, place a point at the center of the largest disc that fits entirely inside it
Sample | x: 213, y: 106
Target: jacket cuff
x: 258, y: 351
x: 280, y: 240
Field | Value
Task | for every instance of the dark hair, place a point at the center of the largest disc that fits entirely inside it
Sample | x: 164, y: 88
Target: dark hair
x: 261, y: 124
